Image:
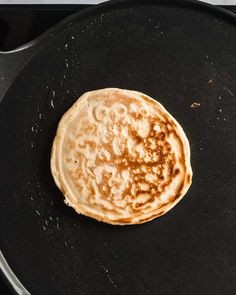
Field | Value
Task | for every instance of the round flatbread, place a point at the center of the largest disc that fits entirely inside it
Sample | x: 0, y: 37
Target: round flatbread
x: 120, y: 157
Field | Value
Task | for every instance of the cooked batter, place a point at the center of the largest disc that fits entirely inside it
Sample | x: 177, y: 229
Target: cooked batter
x: 120, y: 157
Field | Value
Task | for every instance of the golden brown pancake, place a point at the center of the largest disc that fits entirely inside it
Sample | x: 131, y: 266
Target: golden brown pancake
x: 120, y: 157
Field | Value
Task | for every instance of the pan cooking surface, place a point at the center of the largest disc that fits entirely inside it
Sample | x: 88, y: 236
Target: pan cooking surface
x: 178, y: 55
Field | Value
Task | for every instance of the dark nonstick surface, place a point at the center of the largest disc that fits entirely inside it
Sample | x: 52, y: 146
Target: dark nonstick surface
x: 178, y: 54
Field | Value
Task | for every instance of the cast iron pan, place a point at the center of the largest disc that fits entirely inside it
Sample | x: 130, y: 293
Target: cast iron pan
x: 177, y: 52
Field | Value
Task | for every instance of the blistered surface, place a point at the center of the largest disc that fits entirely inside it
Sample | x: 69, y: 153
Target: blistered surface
x: 121, y: 156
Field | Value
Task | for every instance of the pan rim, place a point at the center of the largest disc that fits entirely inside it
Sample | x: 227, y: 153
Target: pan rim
x: 67, y: 22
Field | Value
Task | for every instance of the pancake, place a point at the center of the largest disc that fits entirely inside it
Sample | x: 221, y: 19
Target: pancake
x: 119, y: 157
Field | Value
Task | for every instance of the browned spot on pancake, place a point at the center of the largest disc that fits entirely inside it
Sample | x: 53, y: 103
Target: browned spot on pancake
x: 70, y: 145
x: 176, y: 197
x: 177, y: 171
x: 188, y: 178
x: 69, y: 160
x: 170, y: 168
x: 162, y: 136
x: 122, y: 220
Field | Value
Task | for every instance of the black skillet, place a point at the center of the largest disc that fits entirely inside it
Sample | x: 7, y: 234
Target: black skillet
x: 177, y: 52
